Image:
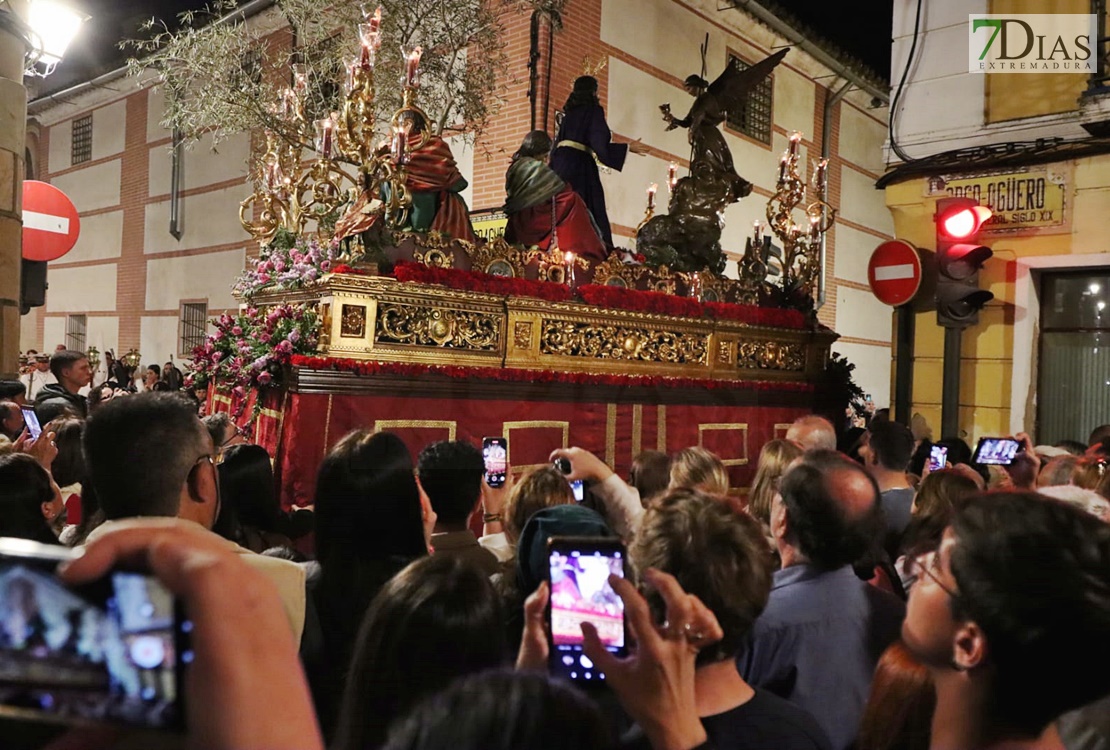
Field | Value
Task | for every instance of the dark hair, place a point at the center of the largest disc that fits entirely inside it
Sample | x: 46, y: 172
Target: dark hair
x: 69, y: 465
x: 285, y: 553
x: 819, y: 521
x: 438, y: 605
x: 248, y: 494
x: 696, y: 81
x: 536, y: 143
x: 24, y: 487
x: 920, y: 456
x: 369, y: 526
x: 503, y: 710
x: 583, y: 94
x: 1098, y: 434
x: 650, y: 474
x: 7, y: 408
x: 959, y: 452
x: 1034, y: 574
x: 891, y: 443
x: 139, y: 451
x: 63, y: 360
x: 451, y: 474
x: 10, y: 389
x: 217, y: 425
x: 899, y: 712
x: 1074, y: 447
x: 716, y: 554
x: 155, y: 368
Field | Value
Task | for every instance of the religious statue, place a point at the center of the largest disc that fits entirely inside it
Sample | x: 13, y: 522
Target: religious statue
x: 542, y: 209
x: 688, y: 237
x: 582, y: 142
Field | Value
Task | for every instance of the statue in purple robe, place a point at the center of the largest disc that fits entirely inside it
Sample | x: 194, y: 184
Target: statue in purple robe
x: 583, y: 141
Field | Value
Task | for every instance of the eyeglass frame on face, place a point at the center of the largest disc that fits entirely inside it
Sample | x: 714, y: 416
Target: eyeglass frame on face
x: 931, y: 568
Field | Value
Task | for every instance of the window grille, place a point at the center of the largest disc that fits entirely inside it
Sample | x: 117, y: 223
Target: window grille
x: 76, y: 332
x: 754, y: 118
x: 193, y: 328
x: 81, y: 148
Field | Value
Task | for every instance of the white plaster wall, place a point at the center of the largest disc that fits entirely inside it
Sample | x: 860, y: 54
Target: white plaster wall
x: 859, y: 315
x: 155, y: 110
x: 109, y: 129
x: 793, y: 100
x: 872, y: 372
x: 92, y: 187
x: 208, y: 276
x: 53, y: 333
x: 861, y: 139
x: 862, y: 203
x: 101, y: 237
x: 81, y: 289
x: 60, y: 153
x: 202, y: 164
x: 29, y: 330
x: 158, y: 338
x: 210, y: 218
x: 853, y: 251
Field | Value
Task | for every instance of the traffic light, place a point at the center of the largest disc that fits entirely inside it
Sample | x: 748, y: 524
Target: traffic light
x: 959, y: 258
x: 32, y: 285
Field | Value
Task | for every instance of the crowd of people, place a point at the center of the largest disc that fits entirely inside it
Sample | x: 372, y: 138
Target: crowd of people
x: 849, y: 598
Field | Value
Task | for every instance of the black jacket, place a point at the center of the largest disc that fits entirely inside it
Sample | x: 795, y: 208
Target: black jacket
x: 52, y: 400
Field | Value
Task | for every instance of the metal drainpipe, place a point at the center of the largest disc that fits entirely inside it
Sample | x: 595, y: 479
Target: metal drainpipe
x: 830, y: 102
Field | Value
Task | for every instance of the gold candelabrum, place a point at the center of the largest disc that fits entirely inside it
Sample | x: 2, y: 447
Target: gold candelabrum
x: 132, y: 359
x: 290, y: 191
x: 801, y: 242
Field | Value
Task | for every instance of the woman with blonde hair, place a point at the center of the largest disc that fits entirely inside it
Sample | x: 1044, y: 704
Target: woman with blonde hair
x: 774, y: 457
x: 537, y: 489
x: 697, y: 468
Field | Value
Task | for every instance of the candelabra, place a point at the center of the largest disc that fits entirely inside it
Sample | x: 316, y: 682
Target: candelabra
x: 93, y: 355
x: 801, y: 259
x: 289, y: 192
x: 132, y: 359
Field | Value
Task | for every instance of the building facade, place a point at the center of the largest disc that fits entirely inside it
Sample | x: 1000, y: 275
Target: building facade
x: 1030, y: 147
x: 130, y: 282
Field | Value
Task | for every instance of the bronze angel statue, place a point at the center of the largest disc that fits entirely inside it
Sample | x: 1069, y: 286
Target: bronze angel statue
x: 713, y: 103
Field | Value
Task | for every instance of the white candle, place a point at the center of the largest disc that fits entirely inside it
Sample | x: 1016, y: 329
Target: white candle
x: 651, y: 195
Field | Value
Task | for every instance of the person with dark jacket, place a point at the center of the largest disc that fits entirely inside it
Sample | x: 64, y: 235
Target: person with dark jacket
x: 55, y: 399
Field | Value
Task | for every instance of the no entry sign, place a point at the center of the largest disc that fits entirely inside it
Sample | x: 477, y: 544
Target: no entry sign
x: 50, y: 222
x: 894, y: 272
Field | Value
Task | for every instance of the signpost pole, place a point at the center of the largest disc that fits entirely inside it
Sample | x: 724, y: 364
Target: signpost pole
x: 903, y: 364
x: 13, y: 102
x: 950, y: 389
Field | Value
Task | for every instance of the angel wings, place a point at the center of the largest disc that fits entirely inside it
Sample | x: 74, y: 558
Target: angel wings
x: 733, y: 84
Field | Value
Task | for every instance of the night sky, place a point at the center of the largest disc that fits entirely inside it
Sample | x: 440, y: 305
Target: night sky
x: 859, y: 27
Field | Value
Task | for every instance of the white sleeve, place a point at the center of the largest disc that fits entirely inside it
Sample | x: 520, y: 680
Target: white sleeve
x: 498, y: 544
x: 622, y: 505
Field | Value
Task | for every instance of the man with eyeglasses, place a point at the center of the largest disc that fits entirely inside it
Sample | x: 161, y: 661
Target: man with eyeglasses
x: 1011, y: 615
x: 149, y: 455
x: 819, y: 638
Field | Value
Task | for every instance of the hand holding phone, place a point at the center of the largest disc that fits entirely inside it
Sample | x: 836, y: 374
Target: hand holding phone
x: 996, y: 451
x: 578, y: 572
x: 31, y: 420
x: 495, y: 455
x: 938, y: 457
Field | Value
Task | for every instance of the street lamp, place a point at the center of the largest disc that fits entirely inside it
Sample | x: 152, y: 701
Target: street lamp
x: 47, y: 31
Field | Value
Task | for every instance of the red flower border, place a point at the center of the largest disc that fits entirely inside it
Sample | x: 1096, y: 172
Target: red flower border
x: 607, y: 297
x: 510, y: 375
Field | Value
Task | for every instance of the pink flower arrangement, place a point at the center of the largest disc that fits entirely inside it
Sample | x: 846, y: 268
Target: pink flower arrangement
x: 285, y: 265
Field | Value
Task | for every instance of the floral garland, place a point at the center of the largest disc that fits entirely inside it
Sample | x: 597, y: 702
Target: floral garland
x: 477, y: 281
x: 620, y: 298
x: 286, y: 263
x: 248, y: 350
x: 507, y: 375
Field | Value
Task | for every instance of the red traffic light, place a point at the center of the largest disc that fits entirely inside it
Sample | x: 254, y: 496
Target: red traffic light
x: 964, y: 219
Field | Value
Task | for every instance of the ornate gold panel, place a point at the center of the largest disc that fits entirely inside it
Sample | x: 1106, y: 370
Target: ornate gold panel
x: 568, y: 338
x: 424, y: 325
x: 770, y: 355
x: 781, y: 429
x: 522, y: 334
x: 724, y: 352
x: 742, y: 427
x: 353, y: 324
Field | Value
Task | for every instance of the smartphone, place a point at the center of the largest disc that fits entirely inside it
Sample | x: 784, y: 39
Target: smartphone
x: 938, y: 457
x: 495, y: 454
x: 579, y: 570
x: 996, y: 451
x: 577, y: 488
x: 115, y: 650
x: 34, y: 429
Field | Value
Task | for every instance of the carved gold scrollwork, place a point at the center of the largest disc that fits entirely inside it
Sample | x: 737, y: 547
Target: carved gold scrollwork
x: 435, y: 257
x: 570, y: 339
x: 499, y: 258
x: 724, y: 352
x: 433, y: 326
x: 522, y: 334
x: 353, y: 322
x: 323, y: 314
x: 663, y: 281
x: 770, y: 355
x: 615, y: 272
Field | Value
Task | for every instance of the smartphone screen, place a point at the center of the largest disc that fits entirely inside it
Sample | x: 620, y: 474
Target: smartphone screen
x: 938, y: 457
x: 34, y: 429
x: 578, y: 490
x: 495, y: 454
x: 579, y: 569
x: 996, y: 451
x: 110, y: 651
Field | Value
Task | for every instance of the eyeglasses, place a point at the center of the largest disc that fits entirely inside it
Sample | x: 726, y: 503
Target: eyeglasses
x: 215, y: 459
x: 929, y: 564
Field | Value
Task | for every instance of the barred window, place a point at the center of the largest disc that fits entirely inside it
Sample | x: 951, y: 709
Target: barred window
x: 753, y: 119
x: 81, y: 148
x: 76, y: 332
x: 193, y: 327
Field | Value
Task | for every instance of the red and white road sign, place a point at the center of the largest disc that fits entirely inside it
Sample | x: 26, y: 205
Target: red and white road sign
x: 894, y: 272
x: 50, y: 222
